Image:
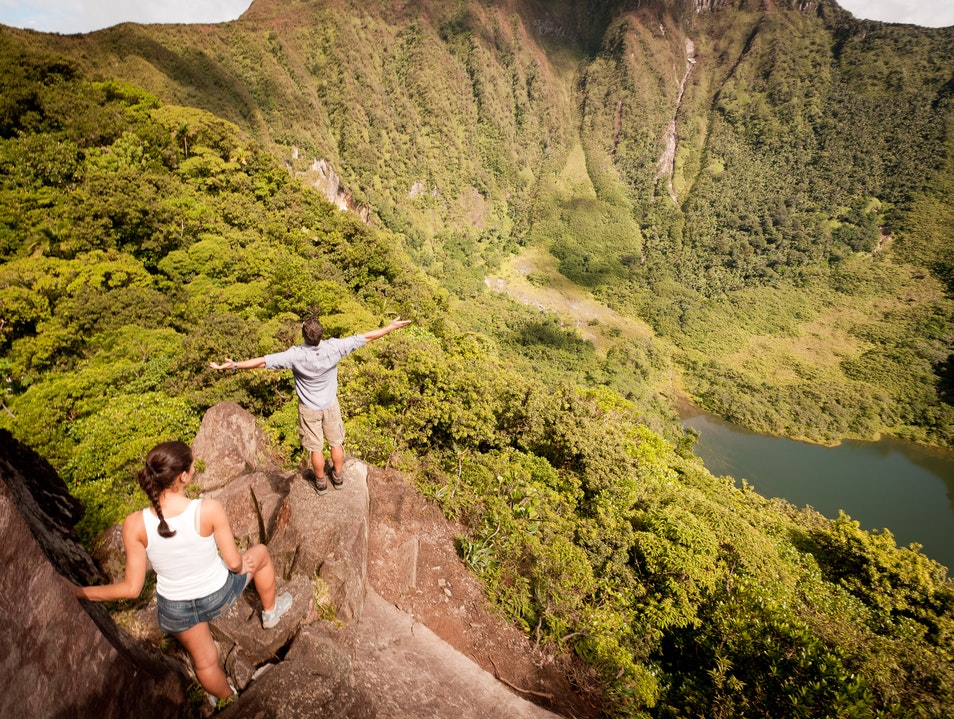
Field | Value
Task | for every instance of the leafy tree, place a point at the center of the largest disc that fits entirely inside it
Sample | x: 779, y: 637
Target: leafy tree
x: 111, y: 445
x: 140, y: 238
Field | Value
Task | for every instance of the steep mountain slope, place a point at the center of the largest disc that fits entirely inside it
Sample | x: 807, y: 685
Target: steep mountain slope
x: 141, y: 238
x: 684, y: 161
x: 456, y: 99
x: 803, y: 139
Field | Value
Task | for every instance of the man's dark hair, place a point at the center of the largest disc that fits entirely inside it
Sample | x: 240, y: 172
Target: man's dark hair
x: 312, y: 331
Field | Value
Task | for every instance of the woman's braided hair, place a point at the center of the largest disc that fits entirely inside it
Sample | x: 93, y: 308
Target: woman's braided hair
x: 164, y: 463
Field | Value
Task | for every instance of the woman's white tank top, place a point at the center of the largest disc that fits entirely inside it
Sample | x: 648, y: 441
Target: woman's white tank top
x: 187, y: 565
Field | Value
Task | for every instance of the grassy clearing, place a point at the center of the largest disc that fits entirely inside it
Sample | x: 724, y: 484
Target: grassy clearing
x: 532, y: 278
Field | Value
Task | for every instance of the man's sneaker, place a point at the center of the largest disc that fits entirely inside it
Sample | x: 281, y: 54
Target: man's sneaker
x: 282, y: 605
x: 320, y: 485
x: 336, y: 479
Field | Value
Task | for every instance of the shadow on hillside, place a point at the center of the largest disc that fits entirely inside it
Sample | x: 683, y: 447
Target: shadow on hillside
x: 945, y: 375
x: 211, y: 87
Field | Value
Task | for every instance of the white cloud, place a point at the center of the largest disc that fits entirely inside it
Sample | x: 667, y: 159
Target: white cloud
x: 927, y: 13
x: 72, y: 16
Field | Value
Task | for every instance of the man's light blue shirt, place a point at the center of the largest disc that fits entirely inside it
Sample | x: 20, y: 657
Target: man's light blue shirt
x: 316, y: 368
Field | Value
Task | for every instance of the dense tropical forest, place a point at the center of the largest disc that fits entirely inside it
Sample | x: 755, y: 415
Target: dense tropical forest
x: 789, y: 269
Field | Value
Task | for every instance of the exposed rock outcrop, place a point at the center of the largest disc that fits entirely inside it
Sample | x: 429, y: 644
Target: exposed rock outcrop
x: 413, y: 564
x: 230, y: 444
x: 665, y: 166
x: 58, y: 657
x: 386, y: 620
x: 323, y: 177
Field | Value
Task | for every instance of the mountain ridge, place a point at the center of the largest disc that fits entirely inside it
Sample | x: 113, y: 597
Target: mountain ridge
x: 142, y: 235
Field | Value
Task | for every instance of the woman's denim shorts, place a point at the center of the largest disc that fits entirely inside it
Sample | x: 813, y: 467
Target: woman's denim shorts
x: 177, y: 616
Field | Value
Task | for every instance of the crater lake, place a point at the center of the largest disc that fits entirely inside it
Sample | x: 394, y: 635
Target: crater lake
x: 889, y: 484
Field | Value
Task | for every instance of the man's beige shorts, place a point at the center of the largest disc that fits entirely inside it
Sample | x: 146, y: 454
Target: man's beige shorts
x: 317, y: 425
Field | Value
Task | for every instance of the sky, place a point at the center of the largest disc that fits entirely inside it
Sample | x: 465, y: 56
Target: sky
x: 928, y: 13
x: 76, y: 16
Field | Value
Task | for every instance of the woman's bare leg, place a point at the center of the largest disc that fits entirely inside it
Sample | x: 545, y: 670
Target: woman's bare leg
x: 205, y: 658
x: 257, y: 560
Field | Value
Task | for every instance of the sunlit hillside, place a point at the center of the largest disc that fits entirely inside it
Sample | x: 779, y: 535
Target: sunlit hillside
x: 588, y: 210
x: 772, y: 169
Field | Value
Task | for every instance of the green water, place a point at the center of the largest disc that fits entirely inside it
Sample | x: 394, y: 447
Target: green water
x: 894, y: 485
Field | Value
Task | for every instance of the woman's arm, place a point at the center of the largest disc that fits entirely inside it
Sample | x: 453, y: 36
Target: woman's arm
x: 213, y: 520
x: 134, y: 539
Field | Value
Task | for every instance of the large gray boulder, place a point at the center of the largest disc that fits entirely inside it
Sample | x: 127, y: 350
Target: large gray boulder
x: 413, y: 672
x: 253, y: 501
x: 230, y: 443
x: 327, y: 536
x: 386, y: 665
x: 245, y: 647
x: 313, y: 680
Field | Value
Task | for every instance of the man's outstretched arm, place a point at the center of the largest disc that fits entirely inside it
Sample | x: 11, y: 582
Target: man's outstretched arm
x: 396, y: 324
x: 244, y: 364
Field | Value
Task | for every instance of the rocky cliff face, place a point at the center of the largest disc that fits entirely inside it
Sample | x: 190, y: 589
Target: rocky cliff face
x: 386, y: 620
x: 59, y: 658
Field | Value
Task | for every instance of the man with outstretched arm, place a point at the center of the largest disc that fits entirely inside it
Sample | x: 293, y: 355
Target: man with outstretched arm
x: 314, y: 366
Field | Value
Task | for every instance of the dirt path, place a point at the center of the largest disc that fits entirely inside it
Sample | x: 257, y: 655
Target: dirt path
x: 551, y: 291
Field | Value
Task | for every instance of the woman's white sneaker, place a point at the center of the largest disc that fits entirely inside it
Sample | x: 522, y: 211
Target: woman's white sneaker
x: 282, y: 605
